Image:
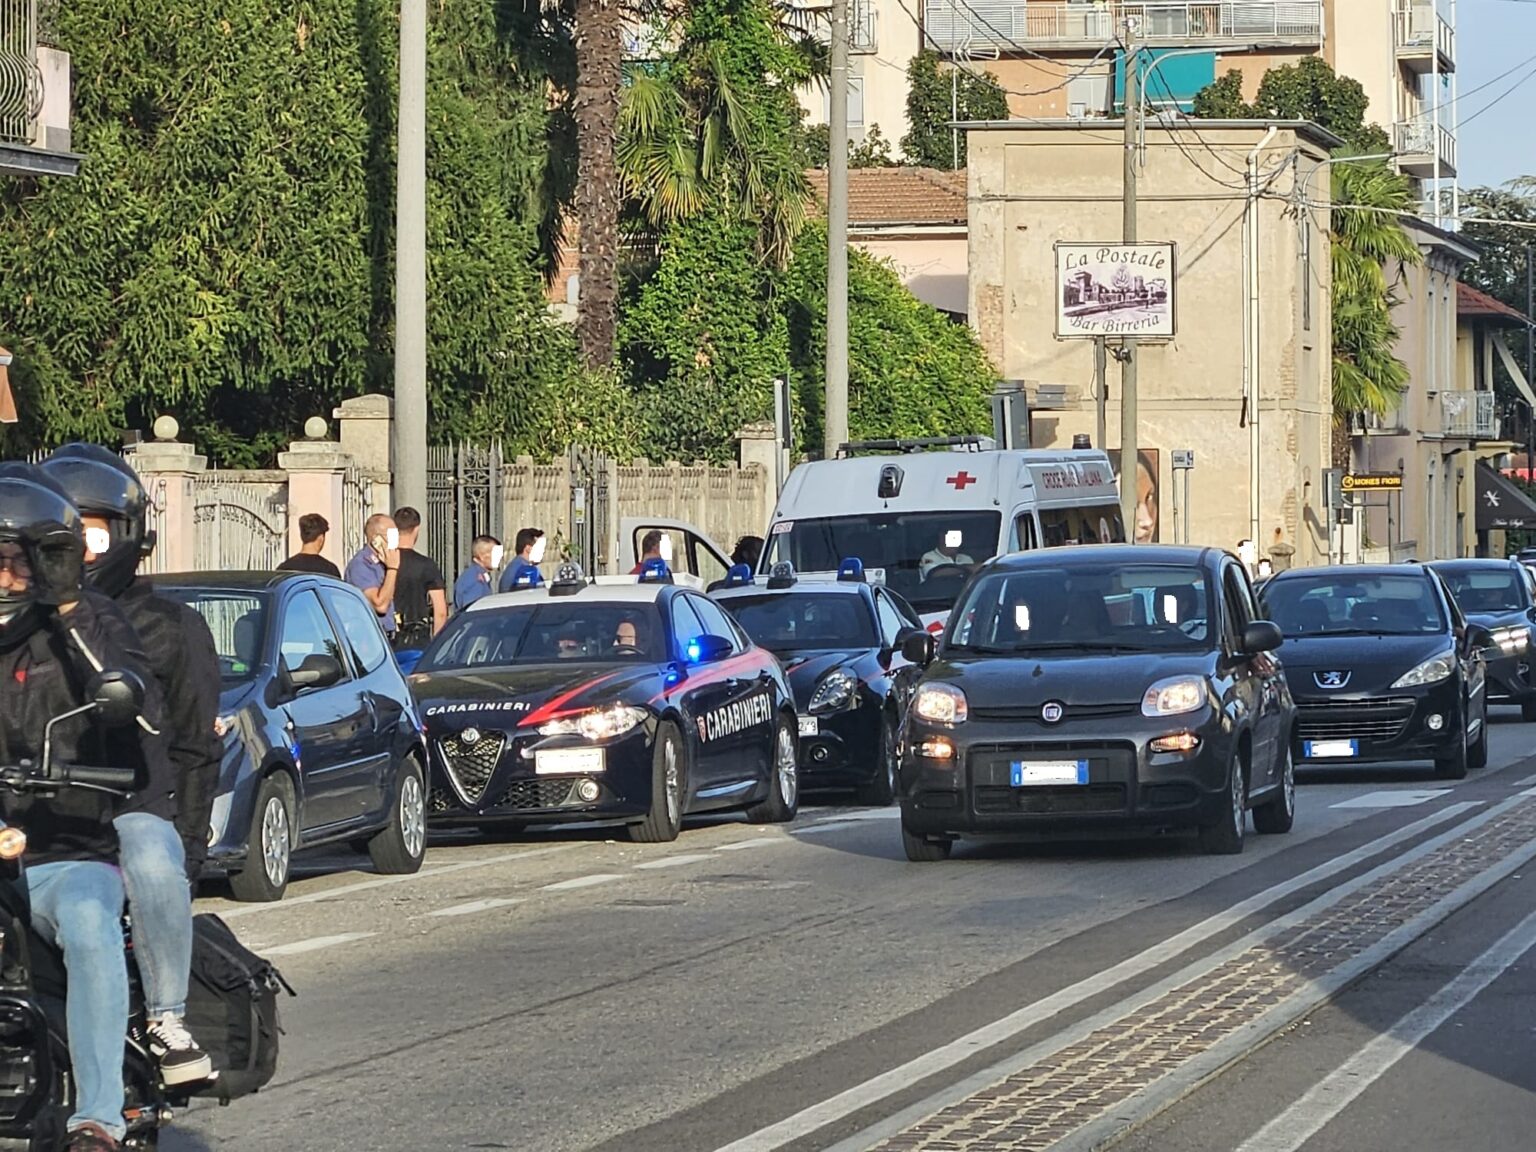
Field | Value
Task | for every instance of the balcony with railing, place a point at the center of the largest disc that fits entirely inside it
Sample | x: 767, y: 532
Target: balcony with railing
x: 1009, y: 25
x: 1423, y: 39
x: 1425, y: 149
x: 34, y: 97
x: 1469, y: 415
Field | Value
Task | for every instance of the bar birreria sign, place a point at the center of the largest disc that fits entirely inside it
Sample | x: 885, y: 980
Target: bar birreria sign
x: 1114, y: 290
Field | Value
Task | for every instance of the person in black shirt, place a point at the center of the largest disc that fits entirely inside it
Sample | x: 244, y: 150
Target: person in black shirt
x: 313, y: 528
x: 54, y: 636
x: 421, y: 598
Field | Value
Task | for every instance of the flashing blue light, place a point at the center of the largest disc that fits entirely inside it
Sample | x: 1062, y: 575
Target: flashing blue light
x: 739, y: 576
x: 529, y: 577
x: 655, y: 572
x: 693, y: 651
x: 851, y: 569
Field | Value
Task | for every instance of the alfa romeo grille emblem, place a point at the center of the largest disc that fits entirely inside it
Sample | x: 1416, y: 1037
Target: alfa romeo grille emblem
x: 1052, y: 713
x: 470, y: 735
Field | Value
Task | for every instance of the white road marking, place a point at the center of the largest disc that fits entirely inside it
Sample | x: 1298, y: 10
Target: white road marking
x: 476, y: 906
x: 898, y: 1079
x: 1404, y: 798
x: 316, y: 943
x: 1526, y: 783
x: 675, y: 861
x: 382, y: 882
x: 760, y: 842
x: 818, y: 829
x: 1314, y: 1111
x: 581, y: 882
x: 890, y: 812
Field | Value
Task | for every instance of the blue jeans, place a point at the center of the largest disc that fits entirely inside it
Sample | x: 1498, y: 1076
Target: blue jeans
x: 154, y: 865
x: 78, y: 905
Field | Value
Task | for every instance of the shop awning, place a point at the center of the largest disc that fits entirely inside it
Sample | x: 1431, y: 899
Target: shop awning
x: 1501, y: 503
x: 7, y: 401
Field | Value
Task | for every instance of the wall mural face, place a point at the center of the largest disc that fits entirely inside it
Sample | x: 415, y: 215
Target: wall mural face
x: 1148, y: 526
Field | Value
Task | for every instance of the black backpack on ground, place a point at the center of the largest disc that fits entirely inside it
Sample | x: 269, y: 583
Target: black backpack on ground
x: 232, y: 1010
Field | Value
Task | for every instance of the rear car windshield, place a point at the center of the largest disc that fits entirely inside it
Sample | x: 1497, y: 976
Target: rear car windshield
x: 1088, y: 606
x: 237, y: 619
x: 1494, y: 590
x: 804, y: 620
x: 1341, y: 605
x: 927, y: 556
x: 547, y: 634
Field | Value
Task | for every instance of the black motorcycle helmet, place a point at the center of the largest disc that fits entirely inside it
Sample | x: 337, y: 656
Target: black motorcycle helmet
x: 101, y: 484
x: 35, y: 519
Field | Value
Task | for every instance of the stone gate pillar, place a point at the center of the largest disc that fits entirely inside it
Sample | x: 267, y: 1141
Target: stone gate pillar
x: 316, y: 470
x: 169, y: 470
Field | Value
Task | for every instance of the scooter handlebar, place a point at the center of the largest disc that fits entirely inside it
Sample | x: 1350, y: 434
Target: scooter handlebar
x: 26, y: 777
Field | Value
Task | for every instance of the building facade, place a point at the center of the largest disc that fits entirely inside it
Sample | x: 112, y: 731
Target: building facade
x: 34, y: 96
x: 1259, y: 456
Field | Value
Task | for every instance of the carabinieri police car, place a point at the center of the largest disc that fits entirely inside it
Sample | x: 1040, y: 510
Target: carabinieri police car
x: 840, y: 643
x: 626, y: 700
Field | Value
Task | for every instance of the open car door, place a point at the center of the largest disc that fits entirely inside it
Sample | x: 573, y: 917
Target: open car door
x: 696, y: 559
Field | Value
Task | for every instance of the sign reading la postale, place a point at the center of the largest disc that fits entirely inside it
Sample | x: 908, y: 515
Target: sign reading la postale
x: 1115, y: 290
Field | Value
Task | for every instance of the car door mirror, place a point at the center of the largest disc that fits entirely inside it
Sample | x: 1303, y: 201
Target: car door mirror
x: 918, y: 647
x: 1481, y: 640
x: 1261, y: 636
x: 708, y: 649
x: 117, y: 696
x: 317, y: 671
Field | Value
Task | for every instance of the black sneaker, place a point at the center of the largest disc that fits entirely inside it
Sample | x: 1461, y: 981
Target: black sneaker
x: 181, y: 1060
x: 91, y: 1138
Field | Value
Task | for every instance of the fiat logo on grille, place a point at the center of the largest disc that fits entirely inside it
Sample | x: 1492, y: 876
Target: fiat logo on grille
x: 1052, y: 713
x: 470, y: 735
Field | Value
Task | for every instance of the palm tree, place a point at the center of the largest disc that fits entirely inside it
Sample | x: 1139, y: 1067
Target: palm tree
x: 599, y: 35
x: 711, y: 126
x: 1367, y: 238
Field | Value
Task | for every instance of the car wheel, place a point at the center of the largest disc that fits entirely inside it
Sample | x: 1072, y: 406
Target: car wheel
x: 1279, y: 814
x: 1225, y: 836
x: 1528, y: 711
x: 668, y: 773
x: 881, y: 790
x: 923, y: 850
x: 269, y: 848
x: 1454, y: 766
x: 784, y: 783
x: 399, y: 849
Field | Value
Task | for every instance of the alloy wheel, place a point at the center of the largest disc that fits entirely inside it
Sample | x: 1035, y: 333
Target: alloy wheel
x: 275, y: 848
x: 413, y: 816
x: 672, y: 782
x: 787, y: 770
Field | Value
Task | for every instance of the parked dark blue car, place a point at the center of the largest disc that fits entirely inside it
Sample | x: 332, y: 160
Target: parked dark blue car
x: 322, y: 742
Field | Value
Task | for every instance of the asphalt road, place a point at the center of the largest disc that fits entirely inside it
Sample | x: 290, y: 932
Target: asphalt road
x: 750, y: 988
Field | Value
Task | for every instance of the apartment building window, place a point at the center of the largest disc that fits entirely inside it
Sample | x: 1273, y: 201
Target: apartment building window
x: 855, y: 103
x: 1088, y: 96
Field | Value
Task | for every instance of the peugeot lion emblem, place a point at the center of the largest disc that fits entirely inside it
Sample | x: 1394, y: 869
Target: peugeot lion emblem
x: 1331, y: 679
x: 470, y: 735
x: 1052, y: 713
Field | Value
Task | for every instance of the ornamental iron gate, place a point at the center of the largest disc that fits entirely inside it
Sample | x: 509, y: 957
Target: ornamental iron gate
x: 464, y: 500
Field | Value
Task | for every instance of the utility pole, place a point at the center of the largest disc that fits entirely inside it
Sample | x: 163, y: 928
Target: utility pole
x: 410, y: 428
x: 1129, y: 444
x: 1530, y: 367
x: 1100, y: 390
x: 836, y: 423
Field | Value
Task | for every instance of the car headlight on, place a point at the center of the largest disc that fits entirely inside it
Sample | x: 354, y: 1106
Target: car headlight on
x: 940, y: 704
x: 836, y: 690
x: 1430, y: 672
x: 598, y: 724
x: 1514, y: 639
x: 1174, y: 696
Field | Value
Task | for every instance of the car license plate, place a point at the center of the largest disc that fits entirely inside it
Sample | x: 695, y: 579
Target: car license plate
x: 809, y: 726
x: 1330, y: 749
x: 1025, y: 774
x: 560, y: 761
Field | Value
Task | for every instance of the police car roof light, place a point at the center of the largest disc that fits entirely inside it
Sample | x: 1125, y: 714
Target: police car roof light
x: 568, y: 580
x: 739, y: 576
x: 528, y: 578
x: 851, y: 569
x: 655, y: 572
x: 781, y: 575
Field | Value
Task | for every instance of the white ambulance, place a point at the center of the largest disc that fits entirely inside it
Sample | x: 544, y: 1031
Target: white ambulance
x: 925, y: 517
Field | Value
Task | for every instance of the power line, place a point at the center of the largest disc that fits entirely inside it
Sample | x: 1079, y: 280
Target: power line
x: 1497, y: 100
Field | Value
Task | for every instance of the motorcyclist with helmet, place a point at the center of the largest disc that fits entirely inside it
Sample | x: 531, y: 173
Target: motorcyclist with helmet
x: 162, y: 832
x: 54, y: 637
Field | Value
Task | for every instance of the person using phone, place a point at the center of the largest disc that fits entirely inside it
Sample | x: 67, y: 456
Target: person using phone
x: 376, y: 568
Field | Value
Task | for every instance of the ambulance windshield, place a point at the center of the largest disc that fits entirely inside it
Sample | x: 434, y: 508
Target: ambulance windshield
x: 927, y: 556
